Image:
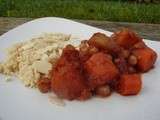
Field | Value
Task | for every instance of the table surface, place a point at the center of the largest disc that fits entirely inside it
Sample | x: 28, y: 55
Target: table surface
x: 147, y: 31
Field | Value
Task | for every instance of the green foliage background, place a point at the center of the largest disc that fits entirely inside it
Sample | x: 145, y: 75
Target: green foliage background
x: 110, y: 10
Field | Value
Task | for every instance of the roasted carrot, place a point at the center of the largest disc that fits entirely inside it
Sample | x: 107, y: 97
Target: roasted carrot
x: 126, y: 38
x: 129, y: 84
x: 146, y: 58
x: 100, y: 70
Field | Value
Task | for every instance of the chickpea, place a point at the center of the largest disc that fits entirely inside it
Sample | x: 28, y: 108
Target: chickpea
x: 132, y: 60
x: 103, y: 91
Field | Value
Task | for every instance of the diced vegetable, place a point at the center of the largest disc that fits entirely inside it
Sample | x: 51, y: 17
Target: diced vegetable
x: 146, y: 58
x: 68, y: 81
x: 100, y: 70
x: 99, y: 66
x: 126, y: 38
x: 129, y: 84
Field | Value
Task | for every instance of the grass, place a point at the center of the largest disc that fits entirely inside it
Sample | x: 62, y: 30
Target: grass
x: 82, y: 9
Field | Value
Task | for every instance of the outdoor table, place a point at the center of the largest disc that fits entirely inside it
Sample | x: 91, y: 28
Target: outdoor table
x: 147, y: 31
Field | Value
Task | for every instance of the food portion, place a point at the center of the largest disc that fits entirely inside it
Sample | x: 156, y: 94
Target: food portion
x: 97, y: 67
x: 146, y: 57
x: 102, y: 65
x: 31, y: 59
x: 100, y: 70
x: 69, y: 81
x: 129, y: 84
x: 126, y: 38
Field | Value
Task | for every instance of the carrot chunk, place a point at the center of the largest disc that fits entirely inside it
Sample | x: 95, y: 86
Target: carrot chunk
x: 100, y: 70
x: 129, y: 84
x: 126, y: 38
x: 146, y: 58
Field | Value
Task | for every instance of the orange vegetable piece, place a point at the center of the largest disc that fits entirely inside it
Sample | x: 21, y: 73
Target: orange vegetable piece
x: 126, y: 38
x: 100, y: 70
x: 129, y: 84
x: 146, y: 58
x: 68, y: 81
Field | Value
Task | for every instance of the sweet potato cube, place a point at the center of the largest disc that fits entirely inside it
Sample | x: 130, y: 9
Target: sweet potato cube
x: 126, y: 38
x: 146, y: 58
x: 100, y: 69
x: 129, y: 84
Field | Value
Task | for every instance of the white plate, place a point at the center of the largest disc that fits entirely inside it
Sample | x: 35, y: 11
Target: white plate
x: 20, y: 103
